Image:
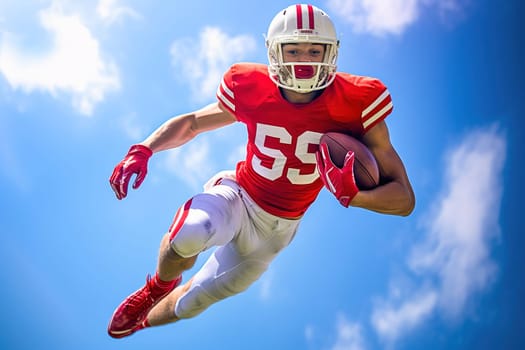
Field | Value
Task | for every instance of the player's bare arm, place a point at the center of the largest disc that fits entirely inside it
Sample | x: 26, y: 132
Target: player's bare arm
x: 181, y: 129
x: 394, y: 195
x: 173, y: 133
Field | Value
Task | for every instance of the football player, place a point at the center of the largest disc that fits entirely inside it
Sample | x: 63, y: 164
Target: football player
x: 250, y: 214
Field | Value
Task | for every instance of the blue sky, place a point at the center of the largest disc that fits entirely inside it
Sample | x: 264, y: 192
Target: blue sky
x: 80, y: 81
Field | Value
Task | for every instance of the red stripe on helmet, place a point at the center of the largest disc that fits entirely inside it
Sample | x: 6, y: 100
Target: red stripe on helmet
x: 299, y: 13
x: 311, y: 16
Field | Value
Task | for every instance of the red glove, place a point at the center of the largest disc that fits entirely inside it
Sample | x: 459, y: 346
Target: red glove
x: 135, y: 162
x: 340, y: 182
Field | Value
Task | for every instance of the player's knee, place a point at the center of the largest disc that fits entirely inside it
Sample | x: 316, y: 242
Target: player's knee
x: 192, y: 239
x: 204, y: 221
x: 194, y: 235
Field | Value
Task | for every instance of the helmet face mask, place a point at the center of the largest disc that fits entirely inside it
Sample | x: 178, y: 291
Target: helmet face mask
x: 295, y: 25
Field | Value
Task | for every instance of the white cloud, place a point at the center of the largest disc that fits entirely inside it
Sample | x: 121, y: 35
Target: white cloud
x: 202, y: 64
x: 453, y: 262
x: 457, y: 247
x: 191, y: 162
x: 349, y: 335
x: 393, y: 322
x: 73, y: 65
x: 111, y: 11
x: 266, y: 285
x: 376, y: 16
x: 203, y: 157
x: 133, y: 127
x: 379, y: 17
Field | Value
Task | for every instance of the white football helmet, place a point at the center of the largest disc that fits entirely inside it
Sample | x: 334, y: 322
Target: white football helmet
x: 302, y: 24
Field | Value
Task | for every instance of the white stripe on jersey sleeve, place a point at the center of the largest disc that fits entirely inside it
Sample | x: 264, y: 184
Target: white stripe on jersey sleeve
x: 368, y: 119
x: 227, y: 97
x: 377, y: 115
x: 375, y: 103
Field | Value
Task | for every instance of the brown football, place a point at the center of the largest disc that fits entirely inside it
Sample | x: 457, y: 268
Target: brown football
x: 366, y: 170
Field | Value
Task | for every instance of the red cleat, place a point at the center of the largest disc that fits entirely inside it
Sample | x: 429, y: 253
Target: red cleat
x: 130, y: 315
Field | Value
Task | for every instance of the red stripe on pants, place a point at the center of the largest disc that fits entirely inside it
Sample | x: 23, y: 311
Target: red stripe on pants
x: 179, y: 219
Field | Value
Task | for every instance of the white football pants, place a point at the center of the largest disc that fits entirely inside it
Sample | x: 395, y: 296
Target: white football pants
x: 247, y: 240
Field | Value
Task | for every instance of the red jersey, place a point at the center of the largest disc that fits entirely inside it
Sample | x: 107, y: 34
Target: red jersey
x: 279, y: 171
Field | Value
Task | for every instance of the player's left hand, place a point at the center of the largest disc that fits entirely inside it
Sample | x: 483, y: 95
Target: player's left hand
x: 339, y: 181
x: 135, y: 162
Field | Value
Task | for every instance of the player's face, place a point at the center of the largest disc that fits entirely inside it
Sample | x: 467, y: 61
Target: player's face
x: 303, y: 52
